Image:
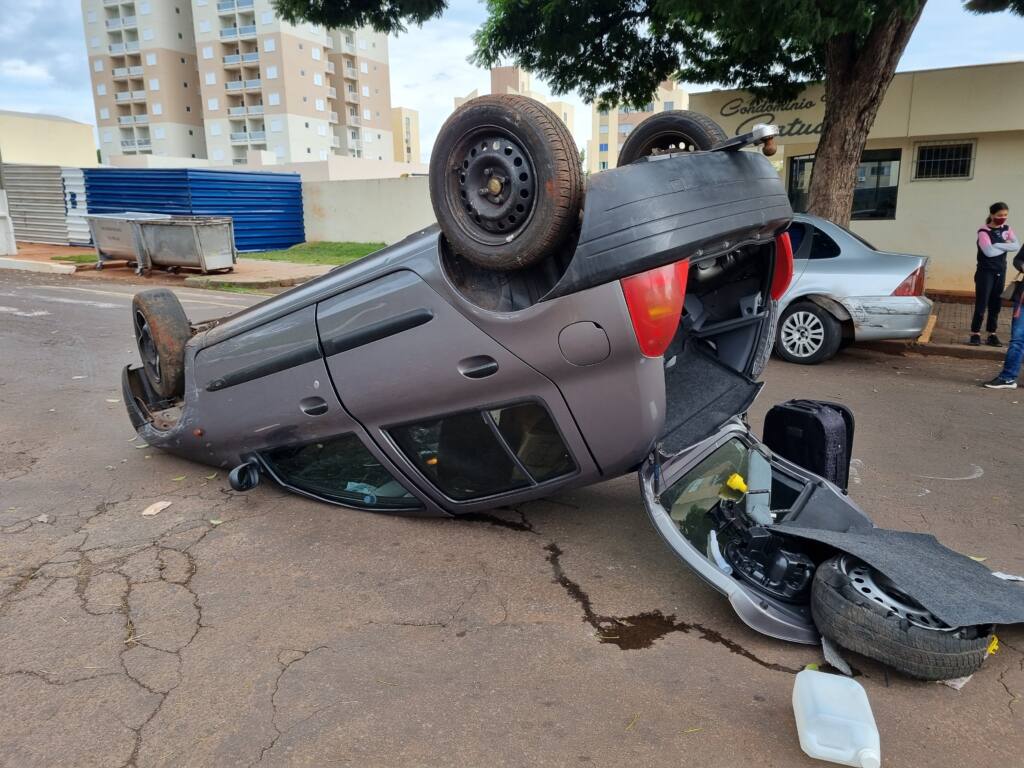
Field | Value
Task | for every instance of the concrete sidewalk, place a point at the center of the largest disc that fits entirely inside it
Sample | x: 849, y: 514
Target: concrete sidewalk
x: 248, y: 273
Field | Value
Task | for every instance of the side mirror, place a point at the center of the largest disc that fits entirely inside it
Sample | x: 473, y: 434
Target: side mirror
x: 245, y: 476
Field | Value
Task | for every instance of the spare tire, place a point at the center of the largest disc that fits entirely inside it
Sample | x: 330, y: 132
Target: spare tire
x: 676, y: 130
x: 857, y: 608
x: 505, y: 182
x: 161, y: 332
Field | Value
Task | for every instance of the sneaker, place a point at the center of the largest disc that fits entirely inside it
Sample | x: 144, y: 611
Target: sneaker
x: 1000, y: 383
x: 975, y: 340
x: 993, y: 341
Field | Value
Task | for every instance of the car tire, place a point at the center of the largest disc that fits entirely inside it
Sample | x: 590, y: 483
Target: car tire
x: 161, y: 332
x: 677, y: 129
x: 852, y: 620
x: 505, y: 182
x: 807, y: 334
x: 766, y: 342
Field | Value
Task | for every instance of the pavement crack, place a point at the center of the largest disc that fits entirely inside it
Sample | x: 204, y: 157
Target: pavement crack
x: 641, y: 630
x: 285, y: 666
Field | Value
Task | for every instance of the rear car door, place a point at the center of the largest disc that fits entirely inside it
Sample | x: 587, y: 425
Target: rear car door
x: 466, y: 419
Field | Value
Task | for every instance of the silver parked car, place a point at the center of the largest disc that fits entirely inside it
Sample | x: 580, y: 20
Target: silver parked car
x: 845, y: 290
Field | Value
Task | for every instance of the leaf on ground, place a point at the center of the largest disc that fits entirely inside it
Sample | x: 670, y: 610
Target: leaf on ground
x: 142, y: 445
x: 155, y: 508
x: 632, y: 722
x: 978, y: 559
x: 113, y: 400
x: 210, y: 477
x: 76, y: 378
x: 216, y: 522
x: 179, y: 478
x: 693, y: 730
x: 812, y: 667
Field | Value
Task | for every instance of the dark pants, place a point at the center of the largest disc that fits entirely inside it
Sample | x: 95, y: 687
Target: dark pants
x: 988, y: 289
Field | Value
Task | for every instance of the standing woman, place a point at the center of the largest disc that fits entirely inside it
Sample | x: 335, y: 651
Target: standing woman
x: 995, y: 240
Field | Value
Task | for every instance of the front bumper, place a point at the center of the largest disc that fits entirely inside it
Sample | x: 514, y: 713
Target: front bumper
x: 888, y: 317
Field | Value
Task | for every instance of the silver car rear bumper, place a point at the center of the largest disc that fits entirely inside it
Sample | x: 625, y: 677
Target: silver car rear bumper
x: 888, y: 317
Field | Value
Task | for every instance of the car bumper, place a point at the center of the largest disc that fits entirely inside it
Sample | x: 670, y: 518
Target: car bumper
x: 888, y: 317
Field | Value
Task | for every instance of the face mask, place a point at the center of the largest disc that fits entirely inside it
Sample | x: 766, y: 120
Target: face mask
x: 999, y: 220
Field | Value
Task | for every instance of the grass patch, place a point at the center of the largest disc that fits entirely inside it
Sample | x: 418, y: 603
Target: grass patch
x: 319, y: 253
x: 236, y: 288
x: 76, y: 258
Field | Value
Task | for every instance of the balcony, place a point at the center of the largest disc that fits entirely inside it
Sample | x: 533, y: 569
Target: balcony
x: 240, y: 137
x: 236, y: 59
x: 128, y: 21
x: 249, y: 30
x: 352, y: 119
x: 348, y: 47
x: 135, y: 71
x: 116, y: 47
x: 143, y: 143
x: 250, y: 84
x: 332, y: 93
x: 228, y: 33
x: 127, y: 143
x: 256, y: 109
x: 351, y: 73
x: 335, y: 141
x: 126, y: 120
x: 114, y: 23
x: 111, y: 2
x: 239, y: 161
x: 227, y: 6
x: 328, y: 43
x: 331, y: 69
x: 333, y: 118
x: 258, y: 136
x: 234, y: 85
x: 138, y: 95
x: 131, y: 46
x: 352, y: 97
x: 120, y: 72
x: 123, y: 96
x: 141, y: 119
x: 236, y: 111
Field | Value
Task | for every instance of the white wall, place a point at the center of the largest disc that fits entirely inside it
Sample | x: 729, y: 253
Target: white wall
x: 377, y: 210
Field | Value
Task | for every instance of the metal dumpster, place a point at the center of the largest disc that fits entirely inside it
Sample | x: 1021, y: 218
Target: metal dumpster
x: 151, y: 240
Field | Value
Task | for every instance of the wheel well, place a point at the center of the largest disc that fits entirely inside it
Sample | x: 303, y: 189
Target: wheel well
x: 833, y: 307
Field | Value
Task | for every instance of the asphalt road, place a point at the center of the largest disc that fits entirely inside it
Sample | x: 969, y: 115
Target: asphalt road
x: 264, y: 628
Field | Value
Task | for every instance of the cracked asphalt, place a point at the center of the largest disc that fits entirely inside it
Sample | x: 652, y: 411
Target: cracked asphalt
x: 267, y: 629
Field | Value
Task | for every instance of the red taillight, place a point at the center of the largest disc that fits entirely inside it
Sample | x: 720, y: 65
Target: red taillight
x: 783, y: 274
x: 655, y: 302
x: 913, y: 285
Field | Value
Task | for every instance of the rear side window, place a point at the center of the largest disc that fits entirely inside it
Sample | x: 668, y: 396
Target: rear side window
x: 822, y: 246
x: 339, y: 469
x: 797, y: 232
x: 474, y: 454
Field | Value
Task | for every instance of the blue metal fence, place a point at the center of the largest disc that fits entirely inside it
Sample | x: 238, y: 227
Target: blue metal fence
x: 266, y: 207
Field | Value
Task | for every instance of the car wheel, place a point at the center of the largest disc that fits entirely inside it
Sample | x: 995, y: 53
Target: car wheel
x: 505, y: 182
x: 680, y: 130
x: 858, y: 609
x: 807, y: 334
x: 161, y: 332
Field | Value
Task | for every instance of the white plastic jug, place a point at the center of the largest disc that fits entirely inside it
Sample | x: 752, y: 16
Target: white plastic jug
x: 834, y: 720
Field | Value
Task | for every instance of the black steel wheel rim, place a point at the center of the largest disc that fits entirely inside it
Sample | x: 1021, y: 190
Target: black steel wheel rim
x: 147, y: 347
x: 669, y: 141
x: 492, y: 186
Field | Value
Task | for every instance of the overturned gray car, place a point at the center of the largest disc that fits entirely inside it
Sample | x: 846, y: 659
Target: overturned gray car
x: 544, y: 336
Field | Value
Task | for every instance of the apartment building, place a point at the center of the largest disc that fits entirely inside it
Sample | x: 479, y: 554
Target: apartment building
x: 611, y: 127
x: 248, y: 81
x: 517, y: 81
x: 145, y: 85
x: 405, y: 127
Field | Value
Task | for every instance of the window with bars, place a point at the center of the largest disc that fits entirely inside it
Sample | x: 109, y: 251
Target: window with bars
x: 944, y: 161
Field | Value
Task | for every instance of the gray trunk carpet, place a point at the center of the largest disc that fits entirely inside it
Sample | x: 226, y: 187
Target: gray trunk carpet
x: 958, y: 590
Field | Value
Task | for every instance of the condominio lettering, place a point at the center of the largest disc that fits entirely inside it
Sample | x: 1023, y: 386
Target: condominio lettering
x: 754, y: 112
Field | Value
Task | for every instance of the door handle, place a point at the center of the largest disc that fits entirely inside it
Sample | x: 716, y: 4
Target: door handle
x: 313, y: 406
x: 478, y: 367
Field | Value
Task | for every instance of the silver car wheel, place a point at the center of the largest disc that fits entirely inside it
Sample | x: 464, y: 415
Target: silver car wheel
x: 802, y: 334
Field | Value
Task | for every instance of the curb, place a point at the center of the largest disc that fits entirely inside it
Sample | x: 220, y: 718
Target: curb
x: 217, y: 283
x: 960, y: 351
x: 26, y: 265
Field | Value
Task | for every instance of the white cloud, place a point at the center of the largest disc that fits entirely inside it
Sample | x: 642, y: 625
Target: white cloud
x: 21, y: 70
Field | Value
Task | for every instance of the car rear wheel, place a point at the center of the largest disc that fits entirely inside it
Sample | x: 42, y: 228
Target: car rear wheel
x: 505, y: 182
x: 161, y: 332
x: 807, y: 334
x: 860, y: 610
x: 678, y: 130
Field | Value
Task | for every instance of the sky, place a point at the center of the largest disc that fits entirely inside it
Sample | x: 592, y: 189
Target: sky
x: 44, y: 66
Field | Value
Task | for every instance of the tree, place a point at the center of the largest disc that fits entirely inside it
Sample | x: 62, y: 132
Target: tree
x: 617, y: 51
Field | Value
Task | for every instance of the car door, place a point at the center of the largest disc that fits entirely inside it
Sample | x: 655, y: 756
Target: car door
x: 464, y: 417
x: 681, y: 491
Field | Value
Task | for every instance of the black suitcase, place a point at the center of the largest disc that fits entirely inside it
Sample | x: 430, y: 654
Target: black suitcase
x: 815, y: 435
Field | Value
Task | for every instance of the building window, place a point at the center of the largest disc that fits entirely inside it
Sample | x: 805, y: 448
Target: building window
x: 363, y: 67
x: 362, y: 45
x: 316, y: 54
x: 101, y: 89
x: 143, y: 9
x: 318, y: 79
x: 319, y: 105
x: 625, y: 128
x: 157, y: 108
x: 366, y: 90
x: 151, y: 59
x: 97, y: 66
x: 323, y: 154
x: 669, y: 105
x: 147, y: 34
x: 213, y: 104
x: 104, y: 114
x: 211, y: 78
x: 603, y: 165
x: 368, y: 138
x: 94, y: 42
x: 190, y: 132
x: 602, y: 147
x: 275, y: 126
x: 158, y: 132
x: 271, y: 73
x: 107, y: 137
x: 218, y: 154
x: 944, y: 161
x: 267, y: 17
x: 207, y: 52
x: 602, y: 129
x: 215, y: 129
x: 366, y: 114
x: 322, y: 130
x: 90, y: 16
x: 874, y: 196
x: 273, y: 99
x: 154, y: 84
x: 269, y: 45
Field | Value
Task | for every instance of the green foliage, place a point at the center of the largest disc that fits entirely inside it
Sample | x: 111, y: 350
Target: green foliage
x: 992, y: 6
x: 382, y: 15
